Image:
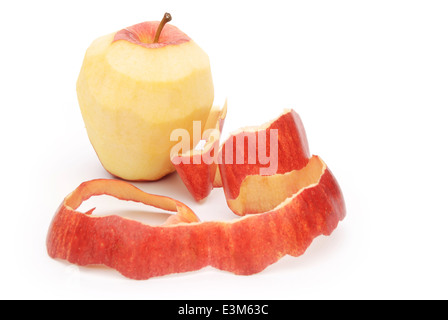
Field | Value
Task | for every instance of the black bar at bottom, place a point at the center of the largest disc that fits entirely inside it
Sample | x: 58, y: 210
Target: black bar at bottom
x: 226, y: 309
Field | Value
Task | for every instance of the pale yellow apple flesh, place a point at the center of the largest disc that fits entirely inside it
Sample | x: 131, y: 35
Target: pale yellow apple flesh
x: 132, y: 98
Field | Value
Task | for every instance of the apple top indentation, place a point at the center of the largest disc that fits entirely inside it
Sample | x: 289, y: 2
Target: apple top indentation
x: 143, y: 34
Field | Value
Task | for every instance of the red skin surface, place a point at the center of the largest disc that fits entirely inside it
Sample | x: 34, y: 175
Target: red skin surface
x: 244, y: 246
x: 293, y: 153
x: 199, y: 176
x: 143, y: 35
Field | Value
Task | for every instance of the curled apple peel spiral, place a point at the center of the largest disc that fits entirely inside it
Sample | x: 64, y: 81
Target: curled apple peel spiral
x: 284, y: 212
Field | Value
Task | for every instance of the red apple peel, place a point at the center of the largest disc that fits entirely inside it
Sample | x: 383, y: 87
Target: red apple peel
x: 293, y: 151
x: 243, y: 246
x: 198, y: 169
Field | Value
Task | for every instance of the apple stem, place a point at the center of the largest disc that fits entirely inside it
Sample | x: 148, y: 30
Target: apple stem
x: 166, y: 18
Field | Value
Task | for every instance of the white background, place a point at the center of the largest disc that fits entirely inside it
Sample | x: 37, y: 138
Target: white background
x: 368, y: 78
